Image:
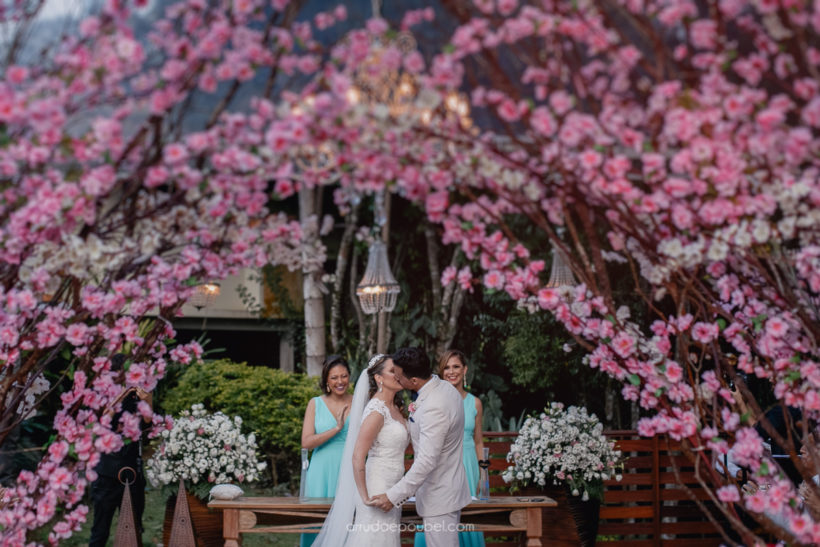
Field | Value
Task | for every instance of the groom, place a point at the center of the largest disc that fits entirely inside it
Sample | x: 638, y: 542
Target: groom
x: 437, y: 476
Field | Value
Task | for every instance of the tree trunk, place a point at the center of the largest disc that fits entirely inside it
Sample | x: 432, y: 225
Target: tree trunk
x: 447, y: 303
x: 311, y: 286
x: 351, y: 222
x: 609, y: 402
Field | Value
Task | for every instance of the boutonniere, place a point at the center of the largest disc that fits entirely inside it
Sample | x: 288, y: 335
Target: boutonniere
x: 412, y: 408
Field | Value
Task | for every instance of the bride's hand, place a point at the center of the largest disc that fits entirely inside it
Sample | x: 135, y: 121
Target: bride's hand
x: 381, y: 501
x: 340, y: 418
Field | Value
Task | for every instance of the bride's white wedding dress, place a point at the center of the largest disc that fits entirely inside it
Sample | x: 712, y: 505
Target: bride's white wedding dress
x: 349, y: 521
x: 384, y: 468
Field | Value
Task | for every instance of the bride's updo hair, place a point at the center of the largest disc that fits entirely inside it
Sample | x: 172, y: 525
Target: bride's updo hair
x: 376, y: 366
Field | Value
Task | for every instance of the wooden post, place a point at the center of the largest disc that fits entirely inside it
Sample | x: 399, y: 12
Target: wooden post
x: 656, y: 491
x: 534, y: 530
x: 230, y: 527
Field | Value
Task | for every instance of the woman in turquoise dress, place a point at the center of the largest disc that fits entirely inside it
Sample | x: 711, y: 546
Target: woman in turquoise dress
x: 453, y: 367
x: 324, y: 431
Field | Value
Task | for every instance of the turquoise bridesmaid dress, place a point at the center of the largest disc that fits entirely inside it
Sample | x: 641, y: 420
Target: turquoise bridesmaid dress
x: 325, y: 460
x: 466, y: 539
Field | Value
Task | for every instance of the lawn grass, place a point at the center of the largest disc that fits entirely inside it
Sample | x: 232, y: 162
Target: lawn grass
x: 154, y: 516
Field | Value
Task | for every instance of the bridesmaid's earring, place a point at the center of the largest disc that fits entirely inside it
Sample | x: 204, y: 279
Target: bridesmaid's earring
x: 328, y: 389
x: 465, y: 382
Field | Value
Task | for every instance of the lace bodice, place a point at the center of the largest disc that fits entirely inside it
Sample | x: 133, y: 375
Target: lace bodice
x: 383, y: 469
x: 393, y: 437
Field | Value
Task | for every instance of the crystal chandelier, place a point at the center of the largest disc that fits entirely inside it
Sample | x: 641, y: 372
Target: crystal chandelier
x: 204, y: 295
x: 374, y: 84
x: 561, y: 273
x: 378, y: 289
x: 396, y: 92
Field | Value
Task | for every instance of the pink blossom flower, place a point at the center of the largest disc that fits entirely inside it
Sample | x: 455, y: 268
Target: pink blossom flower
x: 108, y: 443
x: 448, y: 275
x: 156, y: 176
x: 728, y: 494
x: 414, y: 62
x: 704, y: 34
x: 623, y: 344
x: 776, y: 327
x: 508, y: 110
x: 560, y: 101
x: 175, y: 154
x: 284, y: 188
x: 436, y: 204
x: 376, y: 26
x: 17, y: 74
x: 76, y: 334
x: 494, y: 280
x: 8, y: 336
x: 674, y: 372
x: 705, y: 332
x: 465, y: 279
x: 800, y: 524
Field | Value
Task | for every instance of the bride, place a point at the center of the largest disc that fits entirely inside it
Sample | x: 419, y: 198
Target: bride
x: 378, y: 431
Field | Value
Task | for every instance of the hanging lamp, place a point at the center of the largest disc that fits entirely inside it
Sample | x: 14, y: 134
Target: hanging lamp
x: 378, y: 290
x: 561, y: 273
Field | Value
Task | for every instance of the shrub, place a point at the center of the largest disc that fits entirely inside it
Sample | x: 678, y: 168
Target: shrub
x: 271, y: 403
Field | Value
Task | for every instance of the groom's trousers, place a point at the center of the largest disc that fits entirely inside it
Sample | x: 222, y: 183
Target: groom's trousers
x: 442, y: 530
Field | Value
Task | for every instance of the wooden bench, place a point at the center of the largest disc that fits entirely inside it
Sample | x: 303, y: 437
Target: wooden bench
x: 260, y: 515
x: 647, y: 508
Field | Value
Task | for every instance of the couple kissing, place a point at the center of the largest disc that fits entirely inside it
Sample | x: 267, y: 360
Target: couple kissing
x: 372, y: 484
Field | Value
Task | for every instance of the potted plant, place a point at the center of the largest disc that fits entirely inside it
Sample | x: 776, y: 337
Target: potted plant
x: 203, y: 449
x: 564, y: 453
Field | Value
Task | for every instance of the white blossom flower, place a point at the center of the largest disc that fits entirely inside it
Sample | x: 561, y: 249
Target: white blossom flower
x: 203, y: 447
x: 563, y: 446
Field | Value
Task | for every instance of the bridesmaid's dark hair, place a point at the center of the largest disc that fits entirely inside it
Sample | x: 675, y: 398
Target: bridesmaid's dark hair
x: 378, y: 368
x: 330, y: 362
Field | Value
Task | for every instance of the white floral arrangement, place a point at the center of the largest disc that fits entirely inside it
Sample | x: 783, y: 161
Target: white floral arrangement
x: 564, y: 447
x: 204, y: 449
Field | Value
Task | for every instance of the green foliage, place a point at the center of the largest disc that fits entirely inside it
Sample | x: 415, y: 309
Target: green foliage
x: 493, y: 417
x: 491, y: 420
x: 519, y: 358
x: 272, y: 278
x: 271, y: 403
x: 533, y: 349
x: 411, y: 323
x: 532, y: 346
x: 175, y: 370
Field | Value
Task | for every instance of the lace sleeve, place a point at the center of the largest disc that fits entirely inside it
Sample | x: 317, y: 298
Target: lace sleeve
x: 375, y: 405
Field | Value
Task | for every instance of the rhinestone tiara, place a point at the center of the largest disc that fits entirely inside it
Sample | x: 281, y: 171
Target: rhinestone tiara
x: 375, y: 360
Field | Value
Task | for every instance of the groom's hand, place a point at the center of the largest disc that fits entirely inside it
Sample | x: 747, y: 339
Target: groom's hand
x: 381, y: 501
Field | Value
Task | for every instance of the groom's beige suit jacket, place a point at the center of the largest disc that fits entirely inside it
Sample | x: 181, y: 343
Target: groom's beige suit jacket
x: 437, y: 476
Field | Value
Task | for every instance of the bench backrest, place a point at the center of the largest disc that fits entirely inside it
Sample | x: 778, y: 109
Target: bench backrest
x: 647, y: 504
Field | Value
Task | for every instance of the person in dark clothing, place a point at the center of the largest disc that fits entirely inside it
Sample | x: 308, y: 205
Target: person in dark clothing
x: 120, y: 467
x: 781, y: 422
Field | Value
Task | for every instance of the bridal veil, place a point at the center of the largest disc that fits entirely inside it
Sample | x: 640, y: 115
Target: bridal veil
x: 338, y: 521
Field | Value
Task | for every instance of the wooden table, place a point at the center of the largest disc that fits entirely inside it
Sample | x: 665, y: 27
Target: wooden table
x: 259, y: 515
